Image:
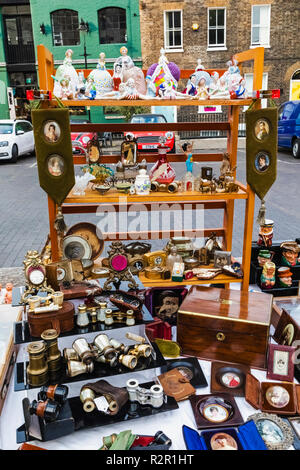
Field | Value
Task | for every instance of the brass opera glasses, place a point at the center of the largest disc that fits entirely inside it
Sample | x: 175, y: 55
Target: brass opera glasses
x: 44, y: 359
x: 82, y: 356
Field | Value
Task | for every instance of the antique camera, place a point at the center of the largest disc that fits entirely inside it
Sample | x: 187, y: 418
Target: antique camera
x: 153, y: 397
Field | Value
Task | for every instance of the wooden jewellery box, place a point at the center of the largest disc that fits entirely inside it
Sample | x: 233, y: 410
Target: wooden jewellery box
x: 284, y: 395
x: 223, y: 325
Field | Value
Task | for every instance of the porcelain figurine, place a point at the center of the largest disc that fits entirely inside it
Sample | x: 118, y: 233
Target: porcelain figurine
x: 285, y: 277
x: 265, y: 235
x: 81, y: 88
x: 267, y: 278
x: 188, y: 182
x: 164, y: 71
x: 142, y: 183
x: 68, y: 72
x: 162, y: 172
x: 202, y: 92
x: 131, y: 92
x: 66, y: 91
x: 100, y: 78
x: 290, y: 253
x: 117, y: 76
x: 191, y: 88
x: 263, y: 257
x: 187, y: 149
x: 151, y: 90
x: 129, y: 70
x: 220, y: 89
x: 8, y: 294
x: 166, y: 91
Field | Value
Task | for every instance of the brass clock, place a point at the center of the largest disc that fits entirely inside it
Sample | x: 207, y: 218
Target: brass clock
x: 35, y: 275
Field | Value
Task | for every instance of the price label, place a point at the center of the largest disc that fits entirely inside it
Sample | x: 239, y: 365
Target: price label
x: 101, y: 404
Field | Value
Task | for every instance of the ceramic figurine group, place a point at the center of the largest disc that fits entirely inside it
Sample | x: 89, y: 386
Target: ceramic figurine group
x: 289, y: 258
x: 128, y: 82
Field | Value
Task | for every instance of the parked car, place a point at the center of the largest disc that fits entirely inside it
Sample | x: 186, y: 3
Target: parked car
x: 16, y: 138
x: 289, y: 127
x: 80, y: 141
x: 150, y: 140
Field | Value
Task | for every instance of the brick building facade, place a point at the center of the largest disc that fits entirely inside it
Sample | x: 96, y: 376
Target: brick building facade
x: 225, y: 27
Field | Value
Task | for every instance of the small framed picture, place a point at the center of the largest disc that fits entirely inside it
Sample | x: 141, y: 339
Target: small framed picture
x: 56, y: 165
x: 262, y: 162
x: 51, y: 131
x: 129, y: 150
x: 261, y: 129
x: 295, y: 422
x: 280, y: 363
x: 222, y: 258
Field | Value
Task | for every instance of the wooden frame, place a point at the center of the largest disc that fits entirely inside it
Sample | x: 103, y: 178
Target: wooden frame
x: 289, y: 350
x: 90, y: 202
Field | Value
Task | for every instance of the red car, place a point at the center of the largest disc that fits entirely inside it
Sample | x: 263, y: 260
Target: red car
x: 80, y: 141
x: 149, y: 140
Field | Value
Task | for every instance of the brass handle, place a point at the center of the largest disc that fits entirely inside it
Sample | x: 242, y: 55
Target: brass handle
x: 220, y: 336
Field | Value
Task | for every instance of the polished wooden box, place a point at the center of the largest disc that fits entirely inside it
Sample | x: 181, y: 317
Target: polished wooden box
x: 225, y: 325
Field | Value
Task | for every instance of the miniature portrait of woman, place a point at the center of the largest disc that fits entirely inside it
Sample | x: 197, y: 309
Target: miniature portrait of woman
x: 262, y: 162
x: 51, y: 131
x: 55, y: 165
x: 261, y: 129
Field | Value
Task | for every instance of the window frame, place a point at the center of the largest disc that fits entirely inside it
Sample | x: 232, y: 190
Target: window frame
x: 217, y: 47
x: 166, y: 46
x: 53, y: 32
x: 99, y: 29
x: 252, y: 45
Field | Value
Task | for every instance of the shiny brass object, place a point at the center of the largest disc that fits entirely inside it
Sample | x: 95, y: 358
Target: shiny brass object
x: 53, y: 353
x: 220, y: 336
x: 112, y: 361
x: 119, y: 346
x: 70, y: 354
x: 37, y: 369
x: 76, y: 368
x: 108, y: 317
x: 154, y: 272
x: 141, y: 350
x: 93, y: 314
x: 82, y: 348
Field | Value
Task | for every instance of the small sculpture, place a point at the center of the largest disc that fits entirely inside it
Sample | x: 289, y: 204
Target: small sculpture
x: 129, y: 70
x: 285, y: 277
x: 166, y: 91
x: 131, y: 92
x: 100, y: 78
x: 8, y: 294
x: 191, y: 88
x: 202, y: 92
x: 219, y: 88
x: 164, y: 71
x: 142, y: 183
x: 267, y: 278
x: 66, y: 71
x: 290, y: 253
x: 188, y: 182
x: 117, y: 76
x: 265, y: 235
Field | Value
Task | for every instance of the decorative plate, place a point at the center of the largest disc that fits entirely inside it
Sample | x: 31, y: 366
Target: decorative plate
x: 75, y: 247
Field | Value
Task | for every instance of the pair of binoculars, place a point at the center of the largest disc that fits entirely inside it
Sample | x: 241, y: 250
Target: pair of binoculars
x: 44, y: 359
x: 50, y: 401
x: 153, y: 396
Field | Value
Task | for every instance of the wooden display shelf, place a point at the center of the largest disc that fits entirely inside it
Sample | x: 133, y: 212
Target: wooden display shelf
x: 115, y: 197
x: 225, y: 201
x: 220, y: 279
x: 155, y: 102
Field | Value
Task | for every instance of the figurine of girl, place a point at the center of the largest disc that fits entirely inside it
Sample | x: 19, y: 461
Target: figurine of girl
x: 66, y: 91
x: 117, y: 76
x: 202, y: 93
x: 151, y: 89
x: 187, y: 149
x: 130, y: 92
x: 191, y: 88
x: 129, y: 70
x: 166, y: 91
x: 267, y: 278
x: 100, y: 78
x: 66, y: 71
x: 221, y: 90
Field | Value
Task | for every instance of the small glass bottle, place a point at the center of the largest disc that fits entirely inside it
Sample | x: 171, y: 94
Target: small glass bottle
x: 82, y: 316
x: 172, y: 258
x: 101, y: 312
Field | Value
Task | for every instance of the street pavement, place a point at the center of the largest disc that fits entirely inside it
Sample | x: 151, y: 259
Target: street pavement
x: 24, y: 212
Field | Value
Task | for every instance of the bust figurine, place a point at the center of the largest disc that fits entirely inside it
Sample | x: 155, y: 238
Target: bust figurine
x: 265, y: 235
x: 290, y: 253
x: 267, y: 278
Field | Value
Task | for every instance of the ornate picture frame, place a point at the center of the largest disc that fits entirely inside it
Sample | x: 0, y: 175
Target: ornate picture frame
x: 280, y: 363
x: 275, y: 429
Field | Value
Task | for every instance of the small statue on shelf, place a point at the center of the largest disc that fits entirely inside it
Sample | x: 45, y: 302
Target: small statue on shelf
x: 117, y: 76
x: 164, y: 71
x: 219, y: 88
x: 267, y: 278
x: 67, y: 73
x: 265, y: 235
x: 191, y: 88
x: 285, y: 277
x: 202, y: 92
x: 188, y: 183
x: 290, y: 253
x: 130, y: 71
x: 131, y: 92
x: 166, y: 91
x: 100, y: 78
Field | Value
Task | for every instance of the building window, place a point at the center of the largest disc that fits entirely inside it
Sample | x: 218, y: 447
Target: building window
x: 112, y: 25
x: 216, y: 28
x: 173, y: 30
x: 65, y: 26
x: 260, y: 25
